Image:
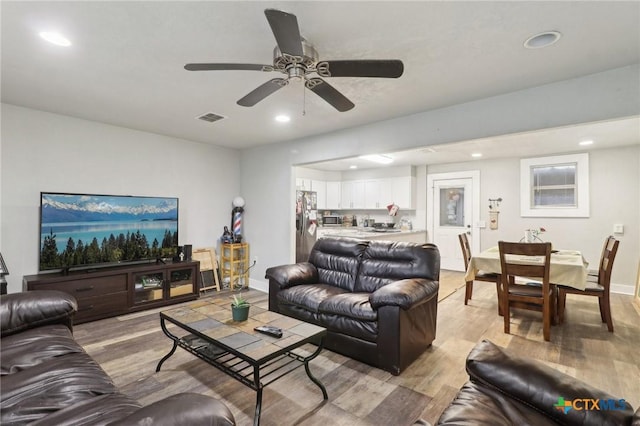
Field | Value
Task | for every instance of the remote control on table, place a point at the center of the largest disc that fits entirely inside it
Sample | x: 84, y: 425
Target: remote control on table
x: 270, y: 330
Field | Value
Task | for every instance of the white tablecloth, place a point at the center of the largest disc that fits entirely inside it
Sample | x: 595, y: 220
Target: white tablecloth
x: 568, y: 267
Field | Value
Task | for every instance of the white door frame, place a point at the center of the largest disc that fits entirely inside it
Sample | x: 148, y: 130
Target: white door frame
x: 474, y: 175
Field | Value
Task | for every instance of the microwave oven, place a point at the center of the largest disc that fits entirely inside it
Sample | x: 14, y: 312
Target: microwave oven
x: 332, y: 220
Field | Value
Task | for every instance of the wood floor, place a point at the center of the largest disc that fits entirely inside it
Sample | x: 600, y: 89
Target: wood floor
x: 130, y: 346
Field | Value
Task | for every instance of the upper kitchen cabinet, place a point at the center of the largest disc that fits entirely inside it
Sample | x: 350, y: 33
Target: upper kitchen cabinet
x: 353, y: 194
x: 334, y: 195
x: 320, y: 188
x: 377, y: 193
x: 303, y: 184
x: 360, y: 190
x: 403, y: 192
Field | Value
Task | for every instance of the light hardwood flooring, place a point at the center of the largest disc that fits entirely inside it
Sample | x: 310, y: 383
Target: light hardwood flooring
x: 130, y: 346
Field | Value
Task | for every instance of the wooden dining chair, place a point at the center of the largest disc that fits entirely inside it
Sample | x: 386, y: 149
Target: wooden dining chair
x: 517, y: 260
x: 480, y: 276
x: 600, y: 288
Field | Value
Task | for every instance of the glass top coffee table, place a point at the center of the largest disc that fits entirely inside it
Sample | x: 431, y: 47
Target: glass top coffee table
x: 205, y: 329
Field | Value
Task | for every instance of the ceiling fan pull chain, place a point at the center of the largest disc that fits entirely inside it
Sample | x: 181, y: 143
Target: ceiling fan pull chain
x: 304, y: 99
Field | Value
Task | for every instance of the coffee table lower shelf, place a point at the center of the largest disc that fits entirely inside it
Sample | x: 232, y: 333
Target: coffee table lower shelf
x: 252, y: 374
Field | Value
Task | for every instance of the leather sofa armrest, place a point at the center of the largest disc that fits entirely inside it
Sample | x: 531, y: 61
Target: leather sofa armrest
x: 541, y: 387
x: 22, y: 311
x: 405, y: 293
x: 182, y: 409
x: 290, y: 275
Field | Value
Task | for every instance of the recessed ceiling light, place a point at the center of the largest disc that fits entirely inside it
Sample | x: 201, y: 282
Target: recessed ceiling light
x: 587, y: 142
x: 476, y: 155
x: 544, y: 39
x: 353, y: 166
x: 283, y: 118
x: 377, y: 158
x: 55, y: 38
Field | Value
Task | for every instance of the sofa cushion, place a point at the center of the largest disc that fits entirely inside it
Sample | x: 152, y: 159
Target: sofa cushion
x: 100, y: 410
x: 32, y: 347
x: 352, y: 305
x: 308, y: 297
x: 480, y: 406
x: 384, y: 262
x: 51, y: 385
x: 364, y: 330
x: 338, y: 261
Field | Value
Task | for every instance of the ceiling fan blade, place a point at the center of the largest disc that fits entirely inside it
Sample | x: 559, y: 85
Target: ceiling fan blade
x: 285, y: 29
x: 223, y: 67
x: 329, y: 94
x: 262, y: 91
x: 384, y: 68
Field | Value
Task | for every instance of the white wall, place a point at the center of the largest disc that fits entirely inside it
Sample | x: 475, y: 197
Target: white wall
x: 267, y: 178
x: 49, y: 152
x: 614, y: 178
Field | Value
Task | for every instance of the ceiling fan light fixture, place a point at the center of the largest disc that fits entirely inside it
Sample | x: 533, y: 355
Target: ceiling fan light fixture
x: 55, y: 38
x: 541, y: 40
x: 377, y: 158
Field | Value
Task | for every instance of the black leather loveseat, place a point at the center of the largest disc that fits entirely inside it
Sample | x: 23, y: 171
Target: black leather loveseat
x: 377, y: 299
x: 48, y: 379
x: 504, y: 389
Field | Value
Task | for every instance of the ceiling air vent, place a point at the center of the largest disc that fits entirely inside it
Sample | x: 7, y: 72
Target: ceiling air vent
x: 210, y: 117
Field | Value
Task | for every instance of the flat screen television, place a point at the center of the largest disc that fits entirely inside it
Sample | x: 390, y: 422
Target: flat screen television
x: 89, y: 230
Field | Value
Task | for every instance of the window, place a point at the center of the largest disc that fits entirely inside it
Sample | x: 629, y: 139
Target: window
x: 555, y: 186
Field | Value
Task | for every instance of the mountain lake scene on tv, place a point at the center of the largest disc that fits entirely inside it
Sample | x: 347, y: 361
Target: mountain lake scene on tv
x: 89, y: 229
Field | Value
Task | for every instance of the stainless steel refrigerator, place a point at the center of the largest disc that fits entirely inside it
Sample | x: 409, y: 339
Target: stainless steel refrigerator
x: 306, y: 223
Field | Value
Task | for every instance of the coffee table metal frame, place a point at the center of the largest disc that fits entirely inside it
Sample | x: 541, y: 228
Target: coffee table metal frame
x: 256, y: 374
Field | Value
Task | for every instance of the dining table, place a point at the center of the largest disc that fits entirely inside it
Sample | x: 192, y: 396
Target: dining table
x: 567, y: 268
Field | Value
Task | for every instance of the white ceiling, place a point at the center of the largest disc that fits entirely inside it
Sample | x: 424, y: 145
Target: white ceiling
x: 605, y: 134
x: 125, y: 66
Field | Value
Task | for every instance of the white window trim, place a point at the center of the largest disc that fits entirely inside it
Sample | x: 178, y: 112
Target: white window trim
x: 582, y: 182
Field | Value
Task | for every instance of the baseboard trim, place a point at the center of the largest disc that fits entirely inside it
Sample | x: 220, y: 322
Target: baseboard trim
x: 263, y: 286
x: 622, y: 289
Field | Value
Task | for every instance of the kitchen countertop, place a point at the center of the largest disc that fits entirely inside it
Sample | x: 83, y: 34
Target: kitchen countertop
x: 363, y: 232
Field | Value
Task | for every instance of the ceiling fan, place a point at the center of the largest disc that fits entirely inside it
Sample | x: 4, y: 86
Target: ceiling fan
x: 297, y: 59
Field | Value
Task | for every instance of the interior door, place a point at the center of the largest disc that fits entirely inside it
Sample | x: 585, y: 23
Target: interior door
x: 454, y: 210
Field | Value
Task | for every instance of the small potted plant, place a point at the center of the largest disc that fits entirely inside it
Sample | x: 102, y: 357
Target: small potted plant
x: 239, y: 308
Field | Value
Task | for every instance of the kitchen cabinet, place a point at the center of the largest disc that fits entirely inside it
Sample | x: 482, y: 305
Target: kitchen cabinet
x: 303, y: 184
x: 333, y: 195
x: 320, y: 188
x: 353, y: 194
x: 403, y: 192
x: 378, y: 193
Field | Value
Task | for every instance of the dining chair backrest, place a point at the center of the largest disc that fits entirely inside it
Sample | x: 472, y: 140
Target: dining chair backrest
x: 606, y: 261
x: 466, y: 249
x: 516, y: 259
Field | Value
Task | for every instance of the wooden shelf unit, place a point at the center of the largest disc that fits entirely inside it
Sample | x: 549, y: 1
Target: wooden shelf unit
x: 107, y: 292
x: 234, y: 265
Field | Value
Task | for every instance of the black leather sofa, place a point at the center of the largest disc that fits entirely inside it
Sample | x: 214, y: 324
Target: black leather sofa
x: 48, y: 379
x: 377, y: 299
x: 504, y: 389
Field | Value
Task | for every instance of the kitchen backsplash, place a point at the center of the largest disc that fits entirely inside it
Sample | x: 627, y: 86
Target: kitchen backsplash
x: 364, y: 215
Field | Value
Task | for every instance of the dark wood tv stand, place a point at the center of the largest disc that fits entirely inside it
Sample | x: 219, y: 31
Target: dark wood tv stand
x: 111, y: 291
